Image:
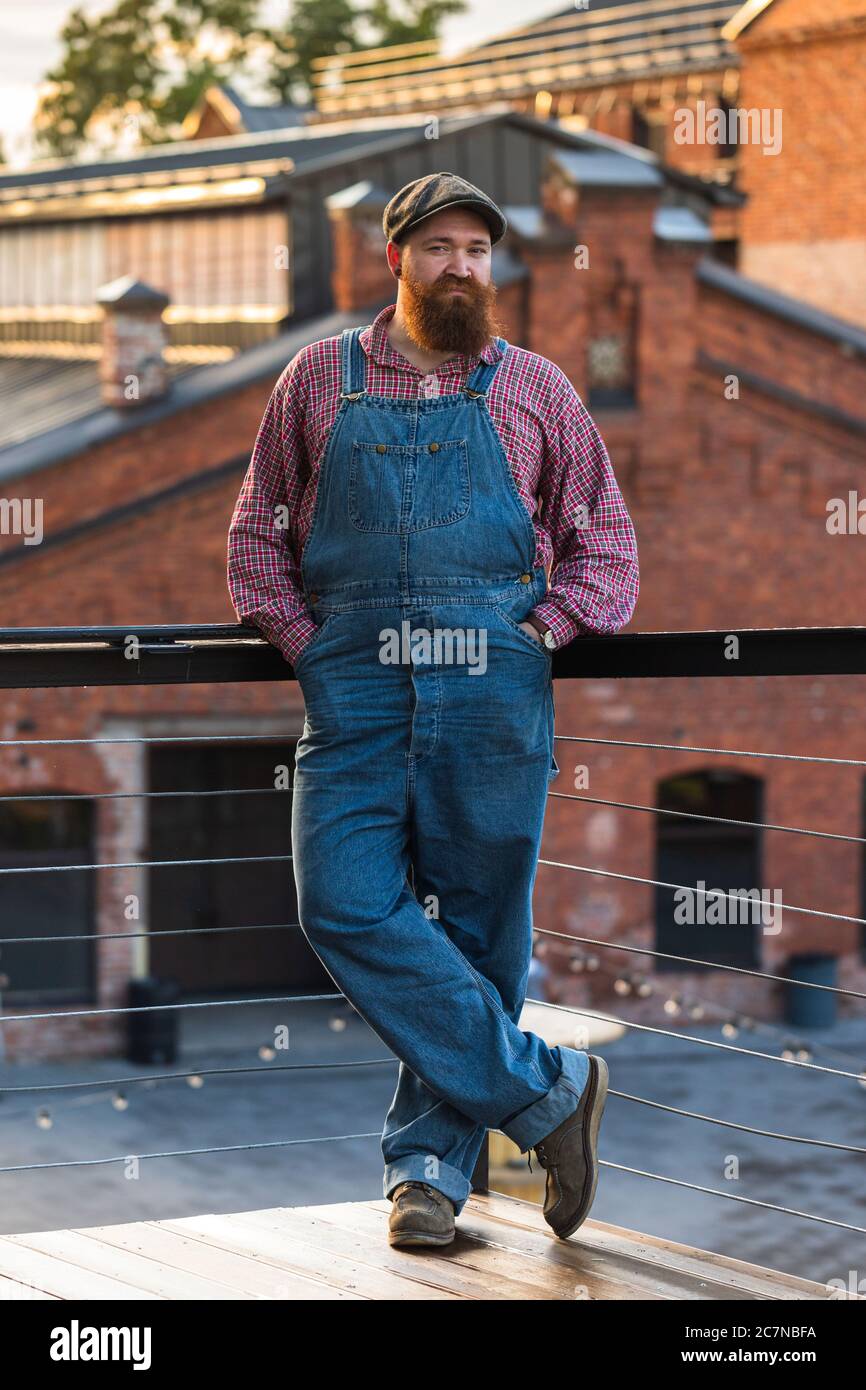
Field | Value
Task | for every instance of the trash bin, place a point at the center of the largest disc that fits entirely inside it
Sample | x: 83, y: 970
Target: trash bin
x: 152, y: 1036
x: 811, y: 1008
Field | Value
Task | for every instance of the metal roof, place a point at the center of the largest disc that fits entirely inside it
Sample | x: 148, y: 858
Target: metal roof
x: 721, y: 277
x: 44, y: 395
x: 51, y: 409
x: 608, y: 41
x: 300, y: 144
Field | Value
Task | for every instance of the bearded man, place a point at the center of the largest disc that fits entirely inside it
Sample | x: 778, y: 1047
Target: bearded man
x: 436, y: 477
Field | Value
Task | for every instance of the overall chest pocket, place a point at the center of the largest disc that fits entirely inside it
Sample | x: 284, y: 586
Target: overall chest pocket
x: 408, y: 487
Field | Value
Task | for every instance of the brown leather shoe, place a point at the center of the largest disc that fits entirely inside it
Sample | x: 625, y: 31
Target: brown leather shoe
x: 570, y: 1155
x: 420, y: 1215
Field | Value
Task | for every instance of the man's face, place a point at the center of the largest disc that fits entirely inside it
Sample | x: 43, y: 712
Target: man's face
x: 446, y: 294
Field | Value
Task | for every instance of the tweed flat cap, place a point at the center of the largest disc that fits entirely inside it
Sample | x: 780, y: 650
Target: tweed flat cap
x: 434, y: 193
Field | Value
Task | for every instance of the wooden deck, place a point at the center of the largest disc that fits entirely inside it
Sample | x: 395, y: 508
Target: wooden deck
x: 503, y: 1250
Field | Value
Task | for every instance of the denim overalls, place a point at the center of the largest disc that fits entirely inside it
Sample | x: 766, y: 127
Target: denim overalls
x: 422, y: 772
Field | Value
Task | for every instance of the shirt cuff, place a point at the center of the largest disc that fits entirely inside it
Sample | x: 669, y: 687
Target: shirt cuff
x: 289, y: 638
x: 564, y: 629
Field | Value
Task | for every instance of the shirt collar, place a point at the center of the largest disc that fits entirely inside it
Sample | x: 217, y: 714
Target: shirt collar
x: 375, y: 342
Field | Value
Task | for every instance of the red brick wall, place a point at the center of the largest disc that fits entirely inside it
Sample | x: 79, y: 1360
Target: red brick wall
x: 803, y: 229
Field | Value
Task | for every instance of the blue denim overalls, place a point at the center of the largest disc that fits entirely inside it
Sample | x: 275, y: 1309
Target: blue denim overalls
x: 429, y: 756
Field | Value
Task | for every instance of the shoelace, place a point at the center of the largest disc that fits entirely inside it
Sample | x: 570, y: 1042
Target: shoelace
x: 539, y: 1154
x: 431, y: 1191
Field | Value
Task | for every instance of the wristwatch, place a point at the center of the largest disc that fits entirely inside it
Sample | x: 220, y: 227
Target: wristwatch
x: 543, y: 630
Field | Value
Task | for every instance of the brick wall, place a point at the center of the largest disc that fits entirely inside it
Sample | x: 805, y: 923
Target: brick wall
x: 803, y: 229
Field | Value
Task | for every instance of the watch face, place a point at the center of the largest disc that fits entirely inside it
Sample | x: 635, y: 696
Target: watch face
x: 549, y: 640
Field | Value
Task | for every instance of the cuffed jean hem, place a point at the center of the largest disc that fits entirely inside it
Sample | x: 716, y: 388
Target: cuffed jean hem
x: 416, y: 1168
x: 534, y: 1123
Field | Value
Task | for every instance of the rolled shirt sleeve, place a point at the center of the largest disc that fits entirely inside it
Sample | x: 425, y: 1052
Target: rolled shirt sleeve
x: 594, y: 577
x: 263, y: 569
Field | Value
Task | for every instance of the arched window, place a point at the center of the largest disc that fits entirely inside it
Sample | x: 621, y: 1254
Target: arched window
x: 34, y: 834
x: 710, y: 855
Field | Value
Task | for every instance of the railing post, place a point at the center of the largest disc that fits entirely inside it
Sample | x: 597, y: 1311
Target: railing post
x: 481, y: 1171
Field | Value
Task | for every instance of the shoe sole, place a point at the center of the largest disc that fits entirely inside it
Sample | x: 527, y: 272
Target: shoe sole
x: 419, y: 1238
x: 591, y: 1122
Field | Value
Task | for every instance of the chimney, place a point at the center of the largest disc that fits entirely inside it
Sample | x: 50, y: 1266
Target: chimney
x: 132, y: 369
x: 360, y: 277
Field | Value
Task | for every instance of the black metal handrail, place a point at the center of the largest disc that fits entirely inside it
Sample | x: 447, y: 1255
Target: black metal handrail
x: 182, y: 654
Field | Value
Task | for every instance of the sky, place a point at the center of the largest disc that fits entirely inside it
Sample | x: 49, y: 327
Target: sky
x: 29, y: 47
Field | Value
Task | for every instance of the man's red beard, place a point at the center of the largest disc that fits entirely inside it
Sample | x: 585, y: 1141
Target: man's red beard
x: 439, y: 321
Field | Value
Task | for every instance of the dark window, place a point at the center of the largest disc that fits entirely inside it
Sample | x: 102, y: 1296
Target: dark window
x: 710, y: 855
x: 226, y: 825
x: 611, y: 371
x: 649, y: 134
x: 33, y: 835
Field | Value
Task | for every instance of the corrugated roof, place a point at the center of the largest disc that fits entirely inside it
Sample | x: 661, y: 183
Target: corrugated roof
x: 41, y: 394
x: 51, y: 409
x: 298, y: 143
x: 608, y: 41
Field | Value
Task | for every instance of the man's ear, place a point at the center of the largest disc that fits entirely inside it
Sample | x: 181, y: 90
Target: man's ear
x: 394, y: 257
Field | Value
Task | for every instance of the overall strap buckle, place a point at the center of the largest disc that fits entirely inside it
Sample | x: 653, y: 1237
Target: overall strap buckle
x: 473, y: 394
x: 350, y: 395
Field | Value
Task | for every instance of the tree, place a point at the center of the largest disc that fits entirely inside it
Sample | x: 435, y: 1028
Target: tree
x: 145, y: 63
x: 423, y: 18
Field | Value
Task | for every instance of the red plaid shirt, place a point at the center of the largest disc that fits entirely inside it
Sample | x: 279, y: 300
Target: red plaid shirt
x: 585, y: 537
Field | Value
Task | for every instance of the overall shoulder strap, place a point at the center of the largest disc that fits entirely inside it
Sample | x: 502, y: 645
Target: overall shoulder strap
x: 479, y: 382
x: 354, y: 363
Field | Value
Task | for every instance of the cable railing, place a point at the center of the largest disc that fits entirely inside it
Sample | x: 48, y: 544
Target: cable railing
x: 206, y: 653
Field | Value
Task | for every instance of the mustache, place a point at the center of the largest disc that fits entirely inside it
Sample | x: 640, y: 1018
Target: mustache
x: 449, y: 282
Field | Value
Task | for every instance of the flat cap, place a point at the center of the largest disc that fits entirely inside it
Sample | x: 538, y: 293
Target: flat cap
x: 433, y: 193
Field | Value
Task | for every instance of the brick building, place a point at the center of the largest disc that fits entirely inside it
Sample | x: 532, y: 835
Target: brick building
x: 764, y: 97
x: 733, y: 413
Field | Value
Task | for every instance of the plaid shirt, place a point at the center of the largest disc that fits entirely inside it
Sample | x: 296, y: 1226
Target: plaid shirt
x: 584, y: 535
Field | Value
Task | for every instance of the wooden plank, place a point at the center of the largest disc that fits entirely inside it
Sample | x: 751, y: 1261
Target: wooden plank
x: 59, y: 1277
x: 755, y: 1280
x: 569, y: 1270
x: 89, y: 1252
x: 307, y: 1246
x: 500, y: 1268
x: 334, y: 1228
x: 245, y: 1277
x: 11, y: 1290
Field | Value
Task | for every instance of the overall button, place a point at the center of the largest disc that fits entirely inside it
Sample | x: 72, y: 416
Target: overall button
x: 380, y: 448
x: 525, y: 578
x: 433, y: 448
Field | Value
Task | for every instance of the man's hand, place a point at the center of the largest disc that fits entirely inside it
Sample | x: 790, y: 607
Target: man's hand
x: 533, y: 632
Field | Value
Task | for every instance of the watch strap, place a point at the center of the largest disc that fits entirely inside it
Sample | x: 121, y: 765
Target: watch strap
x: 541, y: 627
